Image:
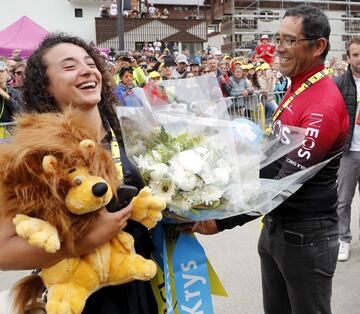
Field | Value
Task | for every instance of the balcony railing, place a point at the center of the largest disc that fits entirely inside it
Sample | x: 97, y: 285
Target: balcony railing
x: 140, y: 30
x: 352, y: 26
x: 239, y: 46
x: 239, y: 25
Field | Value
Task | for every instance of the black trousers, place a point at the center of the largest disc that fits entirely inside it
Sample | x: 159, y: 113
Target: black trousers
x: 298, y: 262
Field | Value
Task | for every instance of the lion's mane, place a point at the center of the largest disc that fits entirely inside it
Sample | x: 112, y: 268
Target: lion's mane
x: 24, y: 186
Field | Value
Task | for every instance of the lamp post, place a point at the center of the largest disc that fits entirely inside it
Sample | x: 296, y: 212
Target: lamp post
x: 120, y: 25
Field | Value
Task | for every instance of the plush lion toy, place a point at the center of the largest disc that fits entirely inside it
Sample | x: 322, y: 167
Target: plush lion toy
x: 53, y: 179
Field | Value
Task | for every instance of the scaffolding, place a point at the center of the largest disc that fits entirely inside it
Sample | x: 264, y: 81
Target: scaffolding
x: 243, y: 18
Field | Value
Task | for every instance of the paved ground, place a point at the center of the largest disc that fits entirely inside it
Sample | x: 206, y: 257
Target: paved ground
x: 234, y: 256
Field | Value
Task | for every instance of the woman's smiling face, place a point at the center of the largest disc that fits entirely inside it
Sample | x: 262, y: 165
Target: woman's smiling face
x: 73, y: 76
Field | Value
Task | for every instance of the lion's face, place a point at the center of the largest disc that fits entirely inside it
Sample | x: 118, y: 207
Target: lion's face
x: 87, y: 193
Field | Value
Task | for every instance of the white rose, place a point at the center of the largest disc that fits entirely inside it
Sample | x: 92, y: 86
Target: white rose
x: 159, y: 171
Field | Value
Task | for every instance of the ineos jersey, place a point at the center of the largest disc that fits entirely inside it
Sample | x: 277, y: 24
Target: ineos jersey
x: 320, y: 110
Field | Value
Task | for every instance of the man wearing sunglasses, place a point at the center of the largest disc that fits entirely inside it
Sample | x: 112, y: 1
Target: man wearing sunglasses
x: 298, y: 245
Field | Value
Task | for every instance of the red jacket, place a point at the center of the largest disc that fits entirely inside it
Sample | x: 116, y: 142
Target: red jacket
x: 321, y: 111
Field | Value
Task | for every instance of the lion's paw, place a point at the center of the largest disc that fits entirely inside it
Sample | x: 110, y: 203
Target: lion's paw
x: 146, y: 208
x: 38, y: 232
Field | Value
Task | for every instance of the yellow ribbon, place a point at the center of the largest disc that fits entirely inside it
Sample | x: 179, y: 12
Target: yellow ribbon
x: 310, y: 81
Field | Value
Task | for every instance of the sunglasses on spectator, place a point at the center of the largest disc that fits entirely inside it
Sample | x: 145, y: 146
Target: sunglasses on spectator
x: 205, y: 72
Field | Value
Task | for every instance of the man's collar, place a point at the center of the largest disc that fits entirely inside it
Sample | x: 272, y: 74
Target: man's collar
x: 297, y: 80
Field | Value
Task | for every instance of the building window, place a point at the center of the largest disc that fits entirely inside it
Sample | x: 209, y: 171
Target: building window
x: 78, y: 12
x: 267, y: 15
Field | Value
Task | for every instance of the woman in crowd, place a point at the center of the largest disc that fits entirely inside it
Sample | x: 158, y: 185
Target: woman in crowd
x: 62, y: 71
x: 239, y: 85
x: 126, y: 90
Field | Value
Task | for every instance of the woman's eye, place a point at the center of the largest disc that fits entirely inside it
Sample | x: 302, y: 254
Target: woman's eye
x: 92, y: 65
x: 78, y: 180
x: 69, y: 67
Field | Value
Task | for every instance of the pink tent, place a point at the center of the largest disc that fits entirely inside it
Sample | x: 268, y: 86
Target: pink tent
x: 24, y: 34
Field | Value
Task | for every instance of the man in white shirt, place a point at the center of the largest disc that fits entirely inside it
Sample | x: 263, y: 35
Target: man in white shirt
x: 349, y: 171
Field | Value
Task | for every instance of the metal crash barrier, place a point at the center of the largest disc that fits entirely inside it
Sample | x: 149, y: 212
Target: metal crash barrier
x: 277, y: 96
x: 248, y: 107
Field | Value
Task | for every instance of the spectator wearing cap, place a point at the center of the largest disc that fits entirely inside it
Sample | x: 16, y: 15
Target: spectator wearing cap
x: 195, y: 68
x: 235, y: 64
x: 166, y: 68
x: 265, y: 50
x: 239, y: 85
x: 156, y: 94
x: 227, y: 58
x: 181, y: 64
x: 218, y: 55
x: 248, y: 71
x: 9, y: 97
x: 126, y: 90
x: 123, y: 59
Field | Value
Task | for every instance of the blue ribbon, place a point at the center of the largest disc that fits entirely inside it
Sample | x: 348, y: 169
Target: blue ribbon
x: 192, y: 282
x: 158, y: 241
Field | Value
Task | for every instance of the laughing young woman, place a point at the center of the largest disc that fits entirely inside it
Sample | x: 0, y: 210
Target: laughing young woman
x: 65, y: 70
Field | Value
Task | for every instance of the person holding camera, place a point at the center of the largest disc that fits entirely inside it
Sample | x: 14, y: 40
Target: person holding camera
x: 124, y: 59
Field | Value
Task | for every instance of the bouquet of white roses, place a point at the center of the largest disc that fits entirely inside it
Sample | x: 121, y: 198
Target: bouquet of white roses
x: 192, y: 170
x: 202, y: 167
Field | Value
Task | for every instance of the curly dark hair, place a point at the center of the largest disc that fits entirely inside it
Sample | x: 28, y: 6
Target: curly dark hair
x: 35, y: 90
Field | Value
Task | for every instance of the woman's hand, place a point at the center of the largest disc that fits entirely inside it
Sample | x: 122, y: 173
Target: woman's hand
x: 106, y: 227
x: 14, y: 248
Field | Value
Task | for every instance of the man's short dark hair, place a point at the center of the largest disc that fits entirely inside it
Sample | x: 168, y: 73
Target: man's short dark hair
x: 315, y: 24
x: 354, y: 40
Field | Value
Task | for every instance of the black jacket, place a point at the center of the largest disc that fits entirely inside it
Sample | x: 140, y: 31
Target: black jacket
x: 346, y: 85
x: 11, y: 106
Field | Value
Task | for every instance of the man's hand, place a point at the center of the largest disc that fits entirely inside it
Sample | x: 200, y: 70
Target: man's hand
x: 207, y: 227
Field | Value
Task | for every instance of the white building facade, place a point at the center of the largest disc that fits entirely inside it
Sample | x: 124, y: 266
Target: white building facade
x: 75, y: 17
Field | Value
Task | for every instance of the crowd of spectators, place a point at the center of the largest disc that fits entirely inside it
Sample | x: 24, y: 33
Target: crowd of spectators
x: 238, y: 77
x: 145, y: 11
